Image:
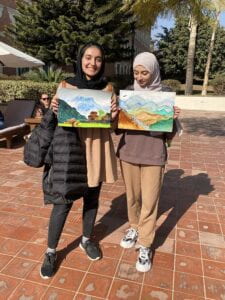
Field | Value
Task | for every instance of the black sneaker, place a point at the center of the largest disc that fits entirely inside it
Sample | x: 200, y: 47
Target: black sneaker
x: 93, y: 252
x: 48, y: 266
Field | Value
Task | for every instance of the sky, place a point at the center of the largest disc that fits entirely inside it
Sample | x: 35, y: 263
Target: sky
x: 169, y: 22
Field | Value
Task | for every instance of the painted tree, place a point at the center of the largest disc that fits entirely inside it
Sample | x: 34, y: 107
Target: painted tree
x: 53, y: 30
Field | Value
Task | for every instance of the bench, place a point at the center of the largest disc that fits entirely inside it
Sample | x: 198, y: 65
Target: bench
x: 15, y: 113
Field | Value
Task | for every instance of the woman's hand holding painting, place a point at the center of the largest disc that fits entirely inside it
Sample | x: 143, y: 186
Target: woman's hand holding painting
x: 55, y: 105
x: 114, y: 107
x: 176, y: 111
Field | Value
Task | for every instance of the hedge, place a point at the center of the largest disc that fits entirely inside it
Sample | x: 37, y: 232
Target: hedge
x: 175, y: 85
x: 24, y: 89
x: 218, y: 84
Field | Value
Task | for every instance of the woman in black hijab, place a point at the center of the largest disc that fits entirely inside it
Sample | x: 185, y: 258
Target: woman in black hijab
x: 96, y: 82
x: 100, y: 158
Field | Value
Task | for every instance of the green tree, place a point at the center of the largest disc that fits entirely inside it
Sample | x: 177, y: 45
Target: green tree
x: 148, y: 10
x: 172, y: 50
x: 202, y: 50
x: 53, y: 30
x: 217, y: 7
x: 173, y: 47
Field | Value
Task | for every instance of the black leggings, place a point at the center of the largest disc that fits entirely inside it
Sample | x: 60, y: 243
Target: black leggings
x: 60, y: 213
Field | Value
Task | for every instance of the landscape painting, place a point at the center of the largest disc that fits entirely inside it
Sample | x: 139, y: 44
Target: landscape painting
x: 84, y: 108
x: 146, y: 110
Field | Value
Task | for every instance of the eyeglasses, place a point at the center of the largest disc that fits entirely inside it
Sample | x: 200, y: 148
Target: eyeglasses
x: 46, y: 98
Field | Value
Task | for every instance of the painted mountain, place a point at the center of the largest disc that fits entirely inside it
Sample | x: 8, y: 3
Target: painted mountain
x: 146, y: 110
x: 67, y: 112
x: 84, y: 108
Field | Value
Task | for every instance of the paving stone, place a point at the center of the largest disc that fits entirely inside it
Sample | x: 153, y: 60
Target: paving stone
x: 189, y: 239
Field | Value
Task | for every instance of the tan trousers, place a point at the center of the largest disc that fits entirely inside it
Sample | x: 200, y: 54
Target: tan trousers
x: 143, y: 184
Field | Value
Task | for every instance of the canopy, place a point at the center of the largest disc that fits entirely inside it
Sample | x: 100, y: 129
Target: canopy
x: 11, y: 57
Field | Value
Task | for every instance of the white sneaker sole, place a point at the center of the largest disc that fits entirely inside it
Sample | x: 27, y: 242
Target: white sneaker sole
x: 97, y: 258
x: 142, y: 268
x: 126, y: 245
x: 44, y: 277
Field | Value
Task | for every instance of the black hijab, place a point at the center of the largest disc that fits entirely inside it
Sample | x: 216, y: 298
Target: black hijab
x: 98, y: 82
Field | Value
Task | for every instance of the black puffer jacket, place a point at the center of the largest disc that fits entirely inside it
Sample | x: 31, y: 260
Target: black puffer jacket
x: 61, y: 152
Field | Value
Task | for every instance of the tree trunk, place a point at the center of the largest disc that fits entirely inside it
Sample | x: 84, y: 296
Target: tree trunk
x: 191, y: 56
x: 132, y: 49
x: 209, y: 58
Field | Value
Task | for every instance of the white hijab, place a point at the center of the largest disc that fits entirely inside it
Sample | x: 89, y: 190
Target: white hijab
x: 150, y: 63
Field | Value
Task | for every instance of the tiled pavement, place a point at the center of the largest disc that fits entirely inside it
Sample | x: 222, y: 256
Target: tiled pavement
x: 189, y: 261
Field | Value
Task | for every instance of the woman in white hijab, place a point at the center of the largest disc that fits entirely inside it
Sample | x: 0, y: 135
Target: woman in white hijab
x: 142, y: 157
x: 146, y: 73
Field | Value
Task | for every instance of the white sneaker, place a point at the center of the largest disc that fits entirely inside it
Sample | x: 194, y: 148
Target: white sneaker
x: 143, y: 263
x: 129, y: 239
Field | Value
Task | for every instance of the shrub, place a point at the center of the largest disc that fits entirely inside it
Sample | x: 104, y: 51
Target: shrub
x: 67, y: 75
x: 218, y: 84
x: 4, y: 77
x: 175, y: 85
x: 52, y: 74
x: 10, y: 77
x: 11, y: 89
x: 31, y: 75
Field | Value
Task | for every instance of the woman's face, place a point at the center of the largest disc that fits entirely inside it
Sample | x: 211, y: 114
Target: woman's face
x: 91, y: 62
x: 45, y: 100
x: 142, y: 76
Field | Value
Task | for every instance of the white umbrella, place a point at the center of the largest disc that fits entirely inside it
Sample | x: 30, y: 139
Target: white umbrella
x: 11, y: 57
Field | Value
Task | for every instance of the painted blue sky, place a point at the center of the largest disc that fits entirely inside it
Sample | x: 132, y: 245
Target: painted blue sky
x: 169, y: 22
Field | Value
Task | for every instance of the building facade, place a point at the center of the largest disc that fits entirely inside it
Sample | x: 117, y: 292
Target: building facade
x: 7, y: 12
x: 141, y: 43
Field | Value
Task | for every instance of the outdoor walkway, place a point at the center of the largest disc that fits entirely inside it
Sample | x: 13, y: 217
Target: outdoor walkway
x: 189, y: 261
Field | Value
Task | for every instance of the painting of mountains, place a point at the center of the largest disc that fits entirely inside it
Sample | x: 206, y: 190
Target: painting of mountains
x: 146, y: 110
x: 84, y: 108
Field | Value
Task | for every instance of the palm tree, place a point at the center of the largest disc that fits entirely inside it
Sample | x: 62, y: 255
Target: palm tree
x: 193, y: 26
x: 217, y: 6
x: 148, y: 10
x: 49, y: 74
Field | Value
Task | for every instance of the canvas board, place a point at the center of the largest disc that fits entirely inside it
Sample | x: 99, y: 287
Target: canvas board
x: 146, y: 110
x: 84, y: 108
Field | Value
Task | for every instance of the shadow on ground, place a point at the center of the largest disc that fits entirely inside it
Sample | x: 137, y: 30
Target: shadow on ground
x: 178, y: 194
x: 113, y: 219
x: 107, y: 224
x: 211, y: 127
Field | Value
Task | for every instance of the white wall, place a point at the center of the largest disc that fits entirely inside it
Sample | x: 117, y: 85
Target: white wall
x: 201, y: 103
